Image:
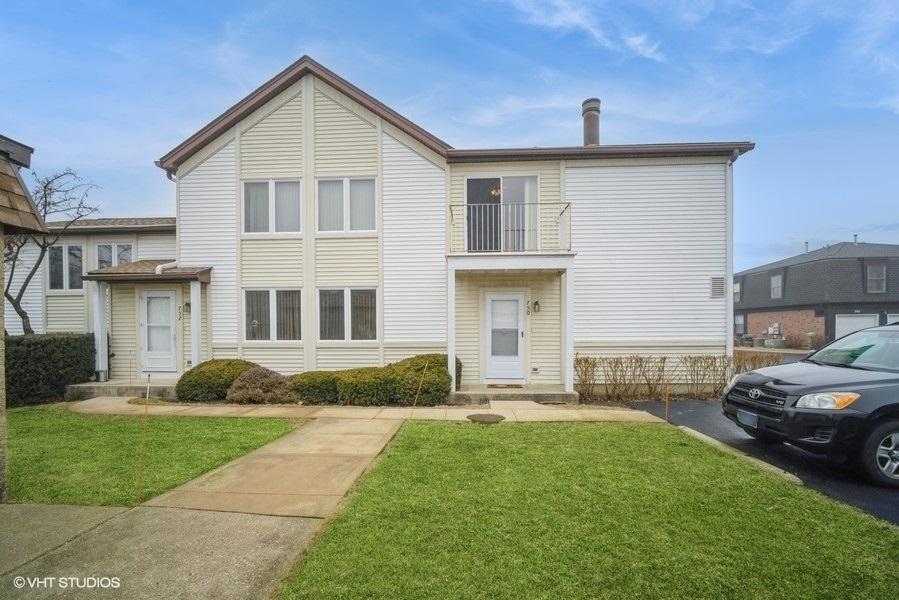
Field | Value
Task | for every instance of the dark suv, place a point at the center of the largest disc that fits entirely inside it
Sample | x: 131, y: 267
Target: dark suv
x: 842, y: 401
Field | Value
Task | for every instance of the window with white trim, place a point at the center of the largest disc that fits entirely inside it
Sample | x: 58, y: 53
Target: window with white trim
x: 109, y: 255
x: 876, y: 278
x: 272, y: 314
x: 777, y: 286
x: 348, y: 314
x: 738, y: 290
x: 346, y: 205
x: 65, y: 267
x: 739, y: 324
x: 272, y: 206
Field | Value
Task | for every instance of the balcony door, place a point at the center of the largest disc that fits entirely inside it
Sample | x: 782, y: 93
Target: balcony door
x: 501, y: 214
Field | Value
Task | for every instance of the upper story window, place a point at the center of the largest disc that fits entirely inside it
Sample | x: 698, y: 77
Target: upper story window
x: 272, y: 206
x: 738, y: 290
x: 876, y: 278
x: 109, y: 255
x: 65, y: 266
x: 777, y: 286
x: 346, y: 205
x: 272, y: 314
x: 501, y: 213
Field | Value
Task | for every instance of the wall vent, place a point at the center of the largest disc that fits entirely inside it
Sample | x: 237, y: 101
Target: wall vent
x: 717, y: 287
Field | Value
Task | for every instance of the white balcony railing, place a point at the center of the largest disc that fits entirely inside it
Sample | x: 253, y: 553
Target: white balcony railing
x: 519, y: 227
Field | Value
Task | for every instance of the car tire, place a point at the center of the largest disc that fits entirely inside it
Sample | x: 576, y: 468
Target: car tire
x: 763, y: 436
x: 880, y: 454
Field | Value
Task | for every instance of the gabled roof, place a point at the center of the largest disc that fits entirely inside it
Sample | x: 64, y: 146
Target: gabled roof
x: 841, y: 250
x: 115, y: 225
x: 307, y: 66
x: 17, y: 210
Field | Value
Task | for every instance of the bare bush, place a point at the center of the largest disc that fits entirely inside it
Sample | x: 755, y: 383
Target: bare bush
x: 585, y: 372
x: 700, y: 373
x: 651, y: 373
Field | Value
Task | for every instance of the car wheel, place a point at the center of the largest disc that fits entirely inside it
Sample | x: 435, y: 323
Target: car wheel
x: 763, y: 436
x: 880, y: 454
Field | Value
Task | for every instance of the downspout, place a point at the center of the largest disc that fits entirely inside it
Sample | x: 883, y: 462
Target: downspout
x: 164, y: 266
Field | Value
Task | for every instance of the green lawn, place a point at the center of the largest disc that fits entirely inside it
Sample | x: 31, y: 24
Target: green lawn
x: 58, y: 456
x: 588, y: 510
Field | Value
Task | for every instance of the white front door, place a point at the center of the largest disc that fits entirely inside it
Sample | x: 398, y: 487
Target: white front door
x: 157, y: 331
x: 505, y: 337
x: 846, y: 324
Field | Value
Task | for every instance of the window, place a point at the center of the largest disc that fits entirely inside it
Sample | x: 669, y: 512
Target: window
x: 738, y: 290
x: 876, y: 278
x: 501, y: 213
x: 271, y: 206
x: 347, y: 205
x: 272, y: 315
x: 777, y: 286
x: 359, y: 316
x: 739, y: 324
x: 106, y: 257
x: 65, y: 266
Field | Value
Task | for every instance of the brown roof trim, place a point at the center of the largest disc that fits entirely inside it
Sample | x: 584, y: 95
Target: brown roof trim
x: 112, y: 226
x: 274, y: 86
x: 201, y: 276
x: 17, y: 152
x: 732, y: 149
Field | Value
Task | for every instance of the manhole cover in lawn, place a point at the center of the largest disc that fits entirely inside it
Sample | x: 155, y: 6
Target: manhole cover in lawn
x: 485, y: 418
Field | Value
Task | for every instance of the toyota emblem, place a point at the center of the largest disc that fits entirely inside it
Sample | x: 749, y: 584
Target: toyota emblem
x: 755, y: 393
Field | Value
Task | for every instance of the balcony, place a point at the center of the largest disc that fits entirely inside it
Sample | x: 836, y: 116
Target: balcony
x: 493, y: 228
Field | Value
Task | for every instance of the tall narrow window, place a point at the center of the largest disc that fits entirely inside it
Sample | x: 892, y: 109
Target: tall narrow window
x: 362, y: 205
x: 330, y: 315
x: 255, y: 206
x: 363, y: 316
x: 876, y: 278
x: 123, y: 253
x: 739, y: 324
x: 330, y: 205
x: 287, y: 206
x: 104, y: 255
x: 57, y: 279
x: 738, y: 291
x: 288, y: 314
x: 257, y: 315
x: 74, y: 267
x: 777, y: 283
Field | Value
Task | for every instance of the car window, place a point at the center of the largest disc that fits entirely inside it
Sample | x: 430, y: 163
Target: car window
x: 871, y: 349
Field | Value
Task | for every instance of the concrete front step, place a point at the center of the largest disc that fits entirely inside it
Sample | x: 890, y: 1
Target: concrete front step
x: 92, y: 389
x: 486, y: 397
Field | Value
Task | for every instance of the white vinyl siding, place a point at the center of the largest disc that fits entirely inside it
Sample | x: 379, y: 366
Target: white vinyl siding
x: 344, y: 142
x: 341, y: 261
x: 648, y: 239
x: 186, y: 330
x: 66, y: 313
x: 207, y: 213
x: 271, y: 261
x: 156, y: 246
x: 273, y: 147
x: 123, y: 332
x: 414, y: 246
x: 284, y: 360
x: 33, y: 298
x: 329, y: 358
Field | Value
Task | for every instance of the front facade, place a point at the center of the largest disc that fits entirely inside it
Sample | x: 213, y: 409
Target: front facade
x: 319, y: 229
x: 824, y: 294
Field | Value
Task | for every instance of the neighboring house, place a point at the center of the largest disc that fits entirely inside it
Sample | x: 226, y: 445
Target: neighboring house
x: 17, y: 215
x: 829, y: 292
x: 56, y: 298
x: 320, y: 229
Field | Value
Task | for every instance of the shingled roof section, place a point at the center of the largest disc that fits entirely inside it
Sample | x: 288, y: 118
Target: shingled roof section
x: 112, y: 225
x: 145, y: 270
x: 17, y: 211
x: 840, y: 250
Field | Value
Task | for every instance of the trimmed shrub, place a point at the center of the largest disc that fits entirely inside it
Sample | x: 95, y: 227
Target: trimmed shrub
x: 209, y: 381
x: 367, y: 386
x: 315, y: 387
x: 259, y: 385
x: 40, y: 366
x: 424, y: 376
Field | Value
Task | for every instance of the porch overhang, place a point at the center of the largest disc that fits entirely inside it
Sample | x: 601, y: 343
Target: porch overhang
x: 149, y: 271
x: 511, y: 261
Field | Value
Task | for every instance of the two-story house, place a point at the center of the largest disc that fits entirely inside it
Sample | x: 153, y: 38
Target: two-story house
x: 829, y: 292
x: 319, y: 229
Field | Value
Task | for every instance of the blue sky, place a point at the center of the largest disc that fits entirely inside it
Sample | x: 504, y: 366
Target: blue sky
x: 108, y: 87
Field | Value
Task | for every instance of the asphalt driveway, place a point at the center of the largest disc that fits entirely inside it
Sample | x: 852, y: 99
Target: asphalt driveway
x: 705, y: 416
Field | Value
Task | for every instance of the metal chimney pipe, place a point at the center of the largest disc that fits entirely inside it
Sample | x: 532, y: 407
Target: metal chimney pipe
x: 590, y: 112
x: 806, y: 246
x: 854, y: 238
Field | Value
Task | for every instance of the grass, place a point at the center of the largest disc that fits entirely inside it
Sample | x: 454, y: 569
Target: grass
x: 584, y: 511
x: 58, y: 456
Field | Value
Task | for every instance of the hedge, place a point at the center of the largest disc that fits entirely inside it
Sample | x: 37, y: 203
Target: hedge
x: 423, y: 380
x: 40, y: 366
x: 315, y: 387
x: 259, y: 385
x: 209, y: 381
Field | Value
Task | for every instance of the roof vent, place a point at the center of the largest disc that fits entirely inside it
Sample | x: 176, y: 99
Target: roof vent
x: 590, y: 112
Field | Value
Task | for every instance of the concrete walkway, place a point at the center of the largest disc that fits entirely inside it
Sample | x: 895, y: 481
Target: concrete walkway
x: 511, y: 410
x: 304, y: 474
